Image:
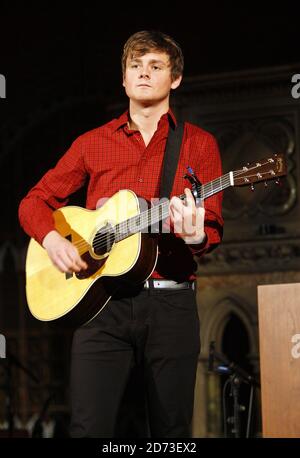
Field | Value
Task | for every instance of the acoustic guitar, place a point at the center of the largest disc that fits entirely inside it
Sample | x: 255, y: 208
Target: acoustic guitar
x: 118, y: 245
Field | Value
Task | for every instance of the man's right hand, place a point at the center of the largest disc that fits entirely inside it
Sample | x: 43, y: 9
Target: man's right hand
x: 63, y: 254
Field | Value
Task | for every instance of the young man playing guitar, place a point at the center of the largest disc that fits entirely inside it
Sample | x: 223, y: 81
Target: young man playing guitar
x: 155, y: 323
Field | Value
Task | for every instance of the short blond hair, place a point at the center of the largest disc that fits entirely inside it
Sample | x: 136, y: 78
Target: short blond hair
x: 146, y: 41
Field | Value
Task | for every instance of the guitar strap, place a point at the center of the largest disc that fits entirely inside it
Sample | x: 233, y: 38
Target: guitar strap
x: 171, y: 158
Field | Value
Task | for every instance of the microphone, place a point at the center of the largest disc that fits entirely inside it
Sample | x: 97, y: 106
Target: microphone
x: 211, y: 356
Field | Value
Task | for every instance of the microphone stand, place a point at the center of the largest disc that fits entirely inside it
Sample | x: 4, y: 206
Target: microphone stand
x: 37, y: 430
x: 237, y: 376
x: 235, y: 387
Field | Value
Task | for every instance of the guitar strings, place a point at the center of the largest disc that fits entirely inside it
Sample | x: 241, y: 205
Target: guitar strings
x: 104, y: 240
x: 122, y: 228
x: 206, y: 191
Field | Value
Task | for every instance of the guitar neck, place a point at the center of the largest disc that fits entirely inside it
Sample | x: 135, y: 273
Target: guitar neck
x: 157, y: 213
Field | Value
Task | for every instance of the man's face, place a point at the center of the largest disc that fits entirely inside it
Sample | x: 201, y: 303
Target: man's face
x: 147, y: 78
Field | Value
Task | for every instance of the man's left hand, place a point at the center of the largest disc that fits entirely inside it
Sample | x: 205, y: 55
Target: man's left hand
x: 187, y: 218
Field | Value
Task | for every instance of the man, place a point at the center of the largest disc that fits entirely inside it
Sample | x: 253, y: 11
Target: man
x: 155, y: 326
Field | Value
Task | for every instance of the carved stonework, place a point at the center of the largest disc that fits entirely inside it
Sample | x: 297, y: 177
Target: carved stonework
x: 256, y: 139
x: 253, y: 115
x: 259, y: 256
x: 267, y: 85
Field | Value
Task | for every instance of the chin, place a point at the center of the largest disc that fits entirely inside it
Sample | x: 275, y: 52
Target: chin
x: 148, y: 100
x: 144, y: 100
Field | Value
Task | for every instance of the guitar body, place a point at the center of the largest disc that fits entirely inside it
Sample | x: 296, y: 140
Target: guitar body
x: 115, y: 247
x: 77, y: 298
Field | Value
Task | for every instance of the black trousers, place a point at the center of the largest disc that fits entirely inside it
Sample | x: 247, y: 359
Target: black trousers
x: 156, y: 330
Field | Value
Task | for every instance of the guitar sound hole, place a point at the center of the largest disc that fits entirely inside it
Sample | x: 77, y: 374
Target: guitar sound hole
x: 104, y: 240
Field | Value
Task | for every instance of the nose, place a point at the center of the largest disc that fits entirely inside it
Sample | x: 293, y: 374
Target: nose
x: 144, y: 73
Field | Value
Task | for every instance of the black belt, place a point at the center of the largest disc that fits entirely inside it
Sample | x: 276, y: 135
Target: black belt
x: 168, y: 284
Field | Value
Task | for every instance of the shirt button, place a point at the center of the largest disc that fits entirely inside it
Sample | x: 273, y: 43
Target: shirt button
x: 140, y: 180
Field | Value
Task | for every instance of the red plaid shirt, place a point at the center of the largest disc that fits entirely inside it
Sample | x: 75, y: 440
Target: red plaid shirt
x: 112, y: 157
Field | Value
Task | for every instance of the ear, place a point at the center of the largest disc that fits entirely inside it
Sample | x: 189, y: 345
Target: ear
x: 123, y: 81
x: 176, y: 82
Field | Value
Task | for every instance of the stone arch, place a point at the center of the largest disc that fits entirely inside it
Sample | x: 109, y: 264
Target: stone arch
x: 214, y: 323
x: 208, y: 388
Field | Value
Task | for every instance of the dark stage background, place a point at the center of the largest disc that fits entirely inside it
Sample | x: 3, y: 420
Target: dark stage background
x: 61, y: 63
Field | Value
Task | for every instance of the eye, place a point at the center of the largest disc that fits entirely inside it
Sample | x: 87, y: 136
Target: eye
x: 156, y: 67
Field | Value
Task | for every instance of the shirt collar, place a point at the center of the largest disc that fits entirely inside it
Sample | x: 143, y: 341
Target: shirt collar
x: 123, y: 120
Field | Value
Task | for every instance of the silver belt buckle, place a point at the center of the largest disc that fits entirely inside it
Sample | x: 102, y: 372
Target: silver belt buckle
x: 171, y: 284
x: 166, y: 284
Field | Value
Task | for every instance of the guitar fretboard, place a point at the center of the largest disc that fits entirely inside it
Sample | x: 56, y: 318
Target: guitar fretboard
x: 152, y: 216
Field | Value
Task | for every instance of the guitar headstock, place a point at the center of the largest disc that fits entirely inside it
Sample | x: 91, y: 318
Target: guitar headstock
x: 265, y: 169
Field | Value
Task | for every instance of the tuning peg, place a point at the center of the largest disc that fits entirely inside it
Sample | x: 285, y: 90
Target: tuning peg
x: 252, y: 187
